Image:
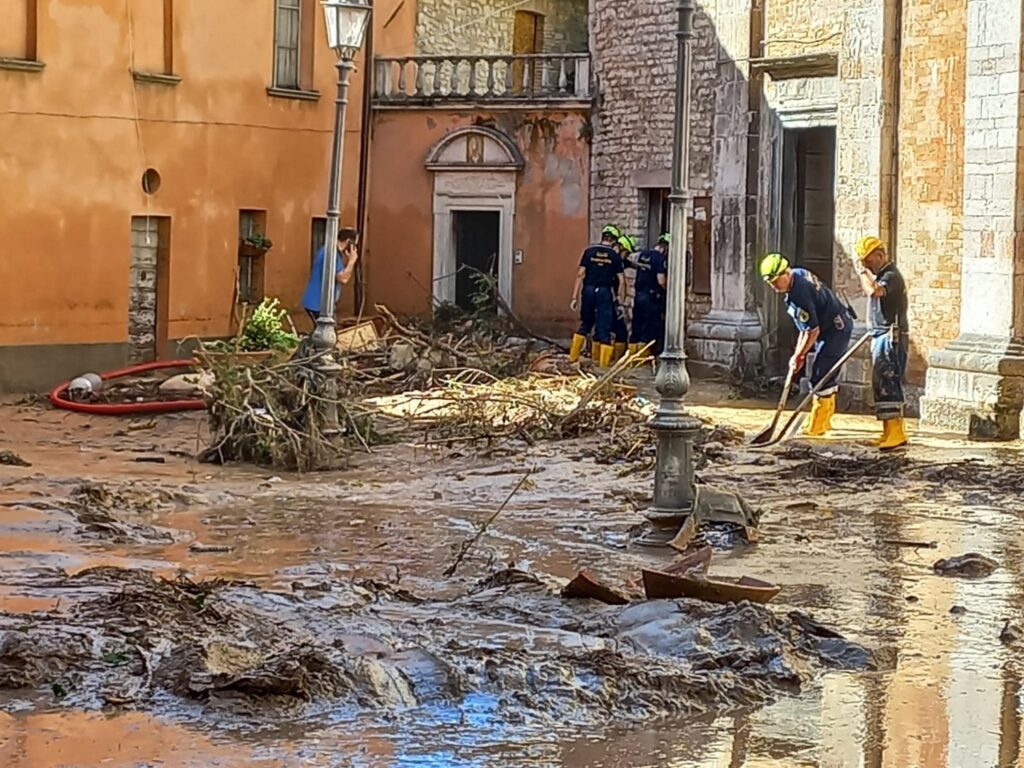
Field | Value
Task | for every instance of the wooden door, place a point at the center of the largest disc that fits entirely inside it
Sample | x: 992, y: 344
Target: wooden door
x: 526, y: 40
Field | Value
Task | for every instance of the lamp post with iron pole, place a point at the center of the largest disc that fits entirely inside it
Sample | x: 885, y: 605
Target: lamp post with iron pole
x: 346, y: 23
x: 676, y: 430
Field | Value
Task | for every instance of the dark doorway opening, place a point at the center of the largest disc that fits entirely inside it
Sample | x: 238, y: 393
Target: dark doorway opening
x: 477, y: 234
x: 808, y: 208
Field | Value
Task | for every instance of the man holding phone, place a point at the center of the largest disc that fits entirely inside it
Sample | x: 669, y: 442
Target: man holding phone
x: 348, y: 255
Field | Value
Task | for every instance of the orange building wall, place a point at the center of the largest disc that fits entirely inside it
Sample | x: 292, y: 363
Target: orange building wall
x: 551, y: 225
x: 78, y: 136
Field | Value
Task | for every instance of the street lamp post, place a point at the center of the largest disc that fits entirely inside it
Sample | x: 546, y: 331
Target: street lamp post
x: 674, y: 490
x: 346, y: 22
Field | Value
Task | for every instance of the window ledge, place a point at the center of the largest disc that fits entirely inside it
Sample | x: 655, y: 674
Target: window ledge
x: 293, y: 93
x: 21, y: 65
x: 156, y: 78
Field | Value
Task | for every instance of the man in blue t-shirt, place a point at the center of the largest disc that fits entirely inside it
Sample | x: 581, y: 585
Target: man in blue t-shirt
x: 593, y: 294
x: 649, y: 295
x: 825, y: 325
x: 348, y: 255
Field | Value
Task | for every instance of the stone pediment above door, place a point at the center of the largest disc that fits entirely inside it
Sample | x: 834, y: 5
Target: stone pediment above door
x: 475, y: 148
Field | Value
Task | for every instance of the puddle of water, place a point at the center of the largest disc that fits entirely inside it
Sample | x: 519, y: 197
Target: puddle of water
x: 951, y: 700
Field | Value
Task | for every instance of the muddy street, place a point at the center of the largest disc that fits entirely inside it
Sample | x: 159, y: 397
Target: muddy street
x: 158, y: 611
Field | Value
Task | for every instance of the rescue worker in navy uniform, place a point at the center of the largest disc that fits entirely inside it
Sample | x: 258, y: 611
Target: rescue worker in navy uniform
x: 593, y: 294
x: 887, y: 324
x: 649, y: 296
x: 825, y: 325
x: 626, y: 246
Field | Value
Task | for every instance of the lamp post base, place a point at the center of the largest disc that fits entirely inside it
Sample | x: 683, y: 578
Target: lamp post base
x: 324, y: 339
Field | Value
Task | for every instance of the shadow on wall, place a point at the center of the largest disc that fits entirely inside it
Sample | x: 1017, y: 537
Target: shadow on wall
x: 635, y: 68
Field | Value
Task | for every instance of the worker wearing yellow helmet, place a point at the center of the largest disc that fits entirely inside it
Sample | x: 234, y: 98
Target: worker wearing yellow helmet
x: 825, y: 325
x: 887, y: 324
x: 626, y: 246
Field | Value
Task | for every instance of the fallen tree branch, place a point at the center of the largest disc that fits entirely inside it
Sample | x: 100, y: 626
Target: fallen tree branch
x: 468, y: 544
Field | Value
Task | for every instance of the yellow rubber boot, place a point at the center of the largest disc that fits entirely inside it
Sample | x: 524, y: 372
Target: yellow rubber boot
x: 634, y: 349
x: 605, y: 352
x: 816, y: 425
x: 885, y: 433
x: 576, y: 348
x: 897, y: 435
x: 618, y: 351
x: 829, y: 404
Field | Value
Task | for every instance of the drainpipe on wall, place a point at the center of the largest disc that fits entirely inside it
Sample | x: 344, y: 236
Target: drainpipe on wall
x: 359, y: 294
x: 892, y: 53
x: 755, y: 239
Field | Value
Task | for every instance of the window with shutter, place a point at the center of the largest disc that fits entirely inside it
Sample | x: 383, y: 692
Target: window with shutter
x: 286, y: 44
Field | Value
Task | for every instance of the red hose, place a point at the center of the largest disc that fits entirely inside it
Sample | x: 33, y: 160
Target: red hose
x: 128, y: 409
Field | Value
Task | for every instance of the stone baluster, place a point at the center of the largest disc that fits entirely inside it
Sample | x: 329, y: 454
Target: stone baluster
x: 490, y: 76
x: 453, y: 88
x: 419, y: 77
x: 474, y: 65
x: 508, y: 84
x: 436, y: 89
x: 401, y: 77
x: 563, y: 77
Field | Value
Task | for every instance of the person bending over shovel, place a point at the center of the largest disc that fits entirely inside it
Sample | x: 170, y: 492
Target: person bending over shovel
x: 825, y: 325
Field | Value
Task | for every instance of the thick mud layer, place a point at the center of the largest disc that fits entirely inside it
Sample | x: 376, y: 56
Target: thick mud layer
x: 237, y: 649
x: 313, y: 650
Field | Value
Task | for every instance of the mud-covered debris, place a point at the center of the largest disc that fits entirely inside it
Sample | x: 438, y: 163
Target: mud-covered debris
x: 30, y: 658
x: 1011, y: 634
x: 141, y: 639
x: 585, y: 586
x: 659, y: 585
x: 11, y: 459
x: 969, y: 566
x: 958, y: 610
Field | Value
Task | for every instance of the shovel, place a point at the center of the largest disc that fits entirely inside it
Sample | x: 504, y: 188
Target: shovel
x: 821, y: 385
x: 766, y: 434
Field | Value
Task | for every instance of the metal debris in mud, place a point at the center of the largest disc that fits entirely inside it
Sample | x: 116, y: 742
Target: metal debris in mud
x: 236, y: 650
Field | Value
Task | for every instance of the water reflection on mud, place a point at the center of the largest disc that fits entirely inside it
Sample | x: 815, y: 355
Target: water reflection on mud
x: 951, y: 697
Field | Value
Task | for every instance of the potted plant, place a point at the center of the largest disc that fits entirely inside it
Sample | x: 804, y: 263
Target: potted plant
x: 256, y: 244
x: 263, y: 338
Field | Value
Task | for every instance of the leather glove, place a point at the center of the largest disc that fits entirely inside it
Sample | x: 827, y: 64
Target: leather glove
x: 620, y: 311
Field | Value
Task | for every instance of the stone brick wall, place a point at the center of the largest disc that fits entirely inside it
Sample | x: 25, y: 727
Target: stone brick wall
x: 799, y: 27
x: 634, y: 54
x: 633, y: 46
x: 445, y: 27
x: 931, y: 158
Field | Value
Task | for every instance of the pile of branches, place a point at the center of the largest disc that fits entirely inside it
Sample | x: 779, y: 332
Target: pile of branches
x: 457, y: 380
x: 476, y: 407
x: 416, y: 355
x: 274, y: 414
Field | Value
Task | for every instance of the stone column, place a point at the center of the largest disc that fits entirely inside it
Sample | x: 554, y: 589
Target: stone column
x: 975, y: 386
x: 729, y: 336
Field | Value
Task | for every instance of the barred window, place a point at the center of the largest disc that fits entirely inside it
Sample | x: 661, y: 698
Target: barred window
x: 286, y: 44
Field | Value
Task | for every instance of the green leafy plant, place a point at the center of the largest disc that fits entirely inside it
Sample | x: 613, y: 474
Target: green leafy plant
x: 258, y: 240
x: 265, y: 329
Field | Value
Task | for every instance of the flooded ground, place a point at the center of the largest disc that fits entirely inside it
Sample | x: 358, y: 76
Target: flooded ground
x: 847, y: 536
